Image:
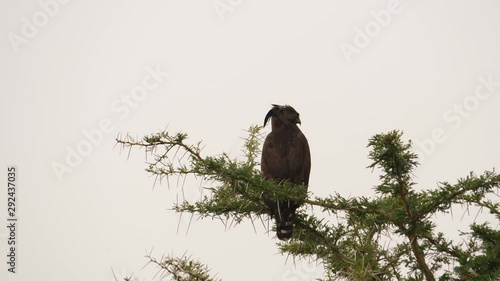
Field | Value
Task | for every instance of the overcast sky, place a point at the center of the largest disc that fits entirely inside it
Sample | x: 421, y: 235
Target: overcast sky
x: 74, y: 74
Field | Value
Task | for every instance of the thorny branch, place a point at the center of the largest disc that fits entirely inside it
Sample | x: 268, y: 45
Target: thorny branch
x: 342, y: 245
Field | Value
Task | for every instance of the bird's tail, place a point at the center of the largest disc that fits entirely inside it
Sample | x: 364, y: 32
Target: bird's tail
x: 285, y: 217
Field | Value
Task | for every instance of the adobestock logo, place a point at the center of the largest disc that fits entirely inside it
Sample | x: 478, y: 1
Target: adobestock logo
x: 122, y: 275
x: 303, y: 270
x: 363, y: 36
x: 456, y: 115
x: 39, y: 19
x: 121, y: 108
x: 222, y: 7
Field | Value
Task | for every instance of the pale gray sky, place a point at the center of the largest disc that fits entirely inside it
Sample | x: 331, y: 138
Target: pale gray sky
x: 351, y: 68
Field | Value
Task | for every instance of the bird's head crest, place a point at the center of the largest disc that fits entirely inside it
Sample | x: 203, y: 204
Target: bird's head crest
x: 284, y: 113
x: 273, y: 112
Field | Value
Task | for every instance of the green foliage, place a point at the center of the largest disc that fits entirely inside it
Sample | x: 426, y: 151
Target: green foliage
x: 181, y: 269
x: 354, y: 241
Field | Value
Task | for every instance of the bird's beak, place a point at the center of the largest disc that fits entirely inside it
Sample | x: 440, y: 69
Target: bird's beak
x: 297, y: 121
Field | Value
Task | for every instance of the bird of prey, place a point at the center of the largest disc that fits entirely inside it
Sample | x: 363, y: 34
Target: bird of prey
x: 285, y: 157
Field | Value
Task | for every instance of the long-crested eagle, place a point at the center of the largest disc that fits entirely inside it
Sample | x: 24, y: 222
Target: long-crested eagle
x: 285, y: 157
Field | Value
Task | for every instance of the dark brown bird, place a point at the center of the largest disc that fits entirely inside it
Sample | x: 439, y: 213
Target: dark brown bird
x: 285, y: 157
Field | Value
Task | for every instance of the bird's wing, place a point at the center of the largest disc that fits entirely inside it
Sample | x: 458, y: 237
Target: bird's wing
x: 264, y: 167
x: 306, y: 168
x: 299, y: 160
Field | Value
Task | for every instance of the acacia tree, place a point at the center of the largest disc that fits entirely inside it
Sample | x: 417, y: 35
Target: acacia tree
x: 350, y: 241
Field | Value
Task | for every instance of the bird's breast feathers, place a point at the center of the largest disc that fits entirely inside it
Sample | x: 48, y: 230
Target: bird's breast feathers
x: 283, y: 158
